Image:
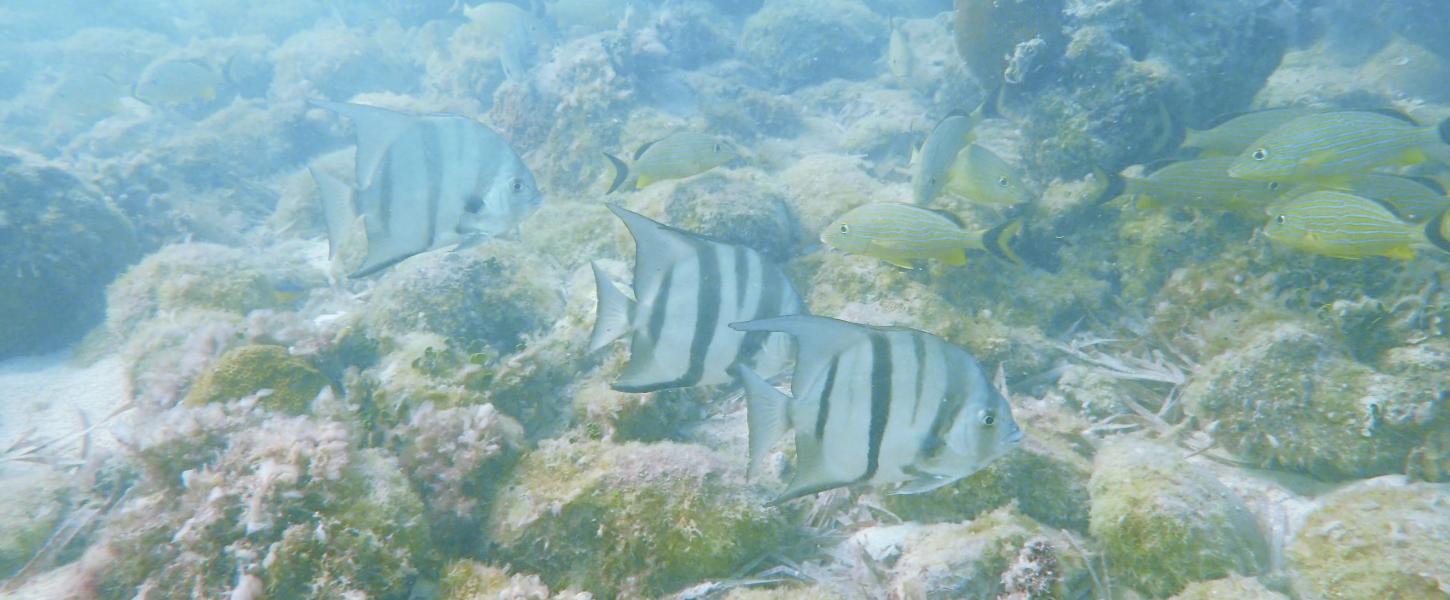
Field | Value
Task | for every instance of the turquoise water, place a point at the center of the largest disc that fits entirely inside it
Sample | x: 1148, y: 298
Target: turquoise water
x: 426, y: 299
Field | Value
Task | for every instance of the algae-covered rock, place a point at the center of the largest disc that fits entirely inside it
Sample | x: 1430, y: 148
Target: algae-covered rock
x: 1383, y: 538
x: 1236, y: 588
x: 629, y: 520
x: 966, y: 560
x: 800, y: 42
x: 489, y: 296
x: 1164, y: 523
x: 472, y: 580
x: 1288, y: 397
x: 755, y: 216
x: 35, y: 504
x: 291, y: 382
x: 989, y: 33
x: 287, y: 500
x: 61, y: 242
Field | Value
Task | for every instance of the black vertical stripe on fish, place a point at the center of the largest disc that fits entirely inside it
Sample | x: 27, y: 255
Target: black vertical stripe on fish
x: 918, y: 348
x: 769, y: 306
x: 742, y: 274
x: 707, y: 313
x: 658, y: 304
x: 432, y: 168
x: 385, y: 194
x: 880, y: 401
x: 823, y: 403
x: 954, y: 399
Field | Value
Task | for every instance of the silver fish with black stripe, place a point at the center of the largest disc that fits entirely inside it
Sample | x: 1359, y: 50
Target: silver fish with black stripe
x: 424, y: 182
x: 876, y: 405
x: 687, y: 289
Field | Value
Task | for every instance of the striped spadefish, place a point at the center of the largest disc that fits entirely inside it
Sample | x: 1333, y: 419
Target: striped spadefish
x: 688, y: 289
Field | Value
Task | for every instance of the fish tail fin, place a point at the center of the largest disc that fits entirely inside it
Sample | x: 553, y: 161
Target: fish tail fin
x: 612, y: 318
x: 1444, y: 130
x: 1438, y: 232
x: 998, y: 240
x: 621, y: 172
x: 337, y: 207
x: 1113, y: 185
x: 765, y: 413
x: 990, y: 108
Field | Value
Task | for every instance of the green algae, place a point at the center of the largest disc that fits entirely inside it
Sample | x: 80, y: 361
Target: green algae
x: 1238, y: 588
x: 631, y: 519
x: 1163, y: 523
x: 291, y: 382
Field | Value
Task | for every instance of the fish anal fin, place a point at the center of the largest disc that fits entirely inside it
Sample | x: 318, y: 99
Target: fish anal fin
x: 621, y: 172
x: 811, y: 475
x: 1147, y: 202
x: 766, y: 414
x: 642, y: 181
x: 1404, y: 252
x: 611, y: 319
x: 955, y: 257
x: 338, y: 207
x: 642, y: 147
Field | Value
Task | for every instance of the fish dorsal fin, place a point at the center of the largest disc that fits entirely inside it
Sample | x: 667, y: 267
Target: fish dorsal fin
x: 1157, y: 165
x: 818, y: 339
x: 656, y: 246
x: 1393, y: 114
x: 1224, y: 118
x: 642, y: 147
x: 377, y: 129
x: 950, y: 216
x: 1429, y: 182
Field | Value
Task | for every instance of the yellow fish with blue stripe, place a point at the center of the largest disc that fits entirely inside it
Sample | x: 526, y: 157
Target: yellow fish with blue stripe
x: 1343, y: 225
x: 676, y: 156
x: 1201, y: 183
x: 979, y: 175
x: 1229, y: 134
x: 901, y: 233
x: 1414, y: 199
x: 1332, y: 144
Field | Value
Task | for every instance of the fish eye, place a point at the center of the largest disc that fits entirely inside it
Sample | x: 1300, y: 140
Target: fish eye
x: 1273, y: 186
x: 1261, y: 154
x: 1002, y: 181
x: 473, y: 204
x: 988, y: 419
x: 717, y: 147
x: 1279, y: 219
x: 516, y: 185
x: 845, y: 228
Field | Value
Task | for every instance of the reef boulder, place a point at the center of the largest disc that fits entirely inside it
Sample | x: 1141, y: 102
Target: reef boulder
x: 282, y: 382
x: 61, y: 243
x: 801, y: 42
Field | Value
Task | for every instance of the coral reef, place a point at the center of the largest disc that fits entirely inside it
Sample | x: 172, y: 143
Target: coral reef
x: 36, y: 503
x: 1382, y: 538
x: 630, y: 519
x: 756, y: 216
x: 1246, y: 588
x: 61, y: 242
x: 804, y: 42
x: 1290, y: 398
x: 1164, y: 522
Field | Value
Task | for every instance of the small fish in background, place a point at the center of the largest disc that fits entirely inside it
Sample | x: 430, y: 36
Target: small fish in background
x: 676, y: 156
x: 85, y: 96
x: 901, y: 233
x: 1342, y: 225
x: 979, y: 175
x: 931, y: 164
x: 876, y: 405
x: 496, y: 20
x: 1199, y: 183
x: 1229, y: 134
x: 517, y: 53
x: 171, y: 83
x: 687, y: 289
x: 424, y: 182
x: 899, y: 59
x: 1326, y: 145
x: 1413, y: 199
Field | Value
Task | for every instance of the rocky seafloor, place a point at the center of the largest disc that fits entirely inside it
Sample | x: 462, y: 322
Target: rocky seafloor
x: 1207, y: 415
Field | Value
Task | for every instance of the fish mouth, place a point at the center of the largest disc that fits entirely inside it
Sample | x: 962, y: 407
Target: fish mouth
x: 1016, y: 436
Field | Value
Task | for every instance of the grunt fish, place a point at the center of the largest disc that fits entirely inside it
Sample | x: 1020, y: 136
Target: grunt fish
x: 898, y: 53
x: 687, y: 289
x: 979, y: 175
x: 1201, y: 183
x: 900, y: 233
x: 424, y: 182
x: 876, y: 405
x: 675, y: 156
x: 931, y: 164
x: 1335, y: 143
x: 1343, y: 225
x: 174, y: 82
x: 1230, y: 134
x: 1414, y: 199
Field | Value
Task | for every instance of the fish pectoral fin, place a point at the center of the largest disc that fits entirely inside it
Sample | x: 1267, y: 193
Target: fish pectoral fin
x: 611, y: 320
x: 1146, y: 202
x: 1402, y: 253
x: 643, y: 180
x: 923, y: 484
x: 765, y: 412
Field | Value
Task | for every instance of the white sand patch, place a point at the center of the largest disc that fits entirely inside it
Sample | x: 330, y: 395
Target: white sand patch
x: 49, y: 397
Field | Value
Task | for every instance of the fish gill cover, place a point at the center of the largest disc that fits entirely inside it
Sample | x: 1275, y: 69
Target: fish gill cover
x: 461, y: 299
